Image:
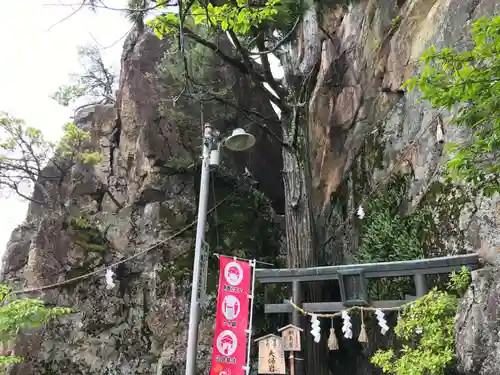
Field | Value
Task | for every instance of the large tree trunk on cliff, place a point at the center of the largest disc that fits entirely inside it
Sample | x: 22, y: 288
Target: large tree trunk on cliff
x: 300, y: 65
x: 300, y: 234
x: 299, y: 229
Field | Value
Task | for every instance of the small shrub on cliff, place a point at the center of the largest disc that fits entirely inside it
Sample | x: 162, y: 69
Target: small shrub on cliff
x: 389, y: 235
x: 95, y: 84
x: 17, y: 315
x: 426, y: 330
x: 87, y: 235
x: 467, y: 83
x: 24, y: 154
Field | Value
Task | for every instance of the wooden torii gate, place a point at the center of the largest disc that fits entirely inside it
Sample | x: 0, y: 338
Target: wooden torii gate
x: 358, y: 275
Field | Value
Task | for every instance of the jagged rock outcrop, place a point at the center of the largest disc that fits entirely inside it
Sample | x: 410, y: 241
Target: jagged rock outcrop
x: 477, y: 335
x: 362, y: 126
x: 133, y: 203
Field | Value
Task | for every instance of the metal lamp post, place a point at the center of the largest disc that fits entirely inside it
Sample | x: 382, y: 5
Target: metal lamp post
x: 238, y: 141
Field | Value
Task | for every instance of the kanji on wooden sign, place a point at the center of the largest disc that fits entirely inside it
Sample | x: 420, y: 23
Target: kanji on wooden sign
x: 271, y: 355
x: 291, y: 338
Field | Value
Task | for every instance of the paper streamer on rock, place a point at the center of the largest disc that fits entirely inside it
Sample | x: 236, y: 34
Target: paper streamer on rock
x: 110, y: 284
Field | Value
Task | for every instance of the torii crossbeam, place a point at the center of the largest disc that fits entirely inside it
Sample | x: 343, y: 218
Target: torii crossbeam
x: 416, y: 268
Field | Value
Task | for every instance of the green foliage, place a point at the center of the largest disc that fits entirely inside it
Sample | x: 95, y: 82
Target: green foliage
x: 396, y: 21
x: 181, y: 96
x: 74, y: 139
x: 201, y: 76
x: 206, y: 79
x: 387, y: 234
x: 178, y: 269
x: 244, y: 224
x: 179, y: 165
x: 288, y: 13
x: 427, y: 334
x: 87, y: 235
x: 238, y: 16
x: 17, y: 315
x: 80, y: 222
x: 468, y: 83
x: 24, y: 152
x: 95, y: 83
x: 459, y: 281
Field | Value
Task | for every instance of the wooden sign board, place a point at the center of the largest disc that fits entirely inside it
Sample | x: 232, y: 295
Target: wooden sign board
x: 291, y: 338
x: 271, y: 355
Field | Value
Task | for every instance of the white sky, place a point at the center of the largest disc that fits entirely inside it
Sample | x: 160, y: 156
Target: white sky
x: 35, y: 61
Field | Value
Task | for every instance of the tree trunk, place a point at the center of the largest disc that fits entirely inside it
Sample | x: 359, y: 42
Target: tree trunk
x: 299, y: 229
x: 300, y: 65
x: 300, y: 234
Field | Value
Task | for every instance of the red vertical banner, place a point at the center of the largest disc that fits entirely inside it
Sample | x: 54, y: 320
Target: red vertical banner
x: 231, y: 318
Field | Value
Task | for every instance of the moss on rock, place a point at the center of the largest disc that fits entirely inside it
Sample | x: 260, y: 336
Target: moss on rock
x: 392, y: 232
x: 87, y: 236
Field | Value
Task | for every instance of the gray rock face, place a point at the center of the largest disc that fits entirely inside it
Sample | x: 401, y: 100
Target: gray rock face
x: 363, y: 127
x: 477, y: 335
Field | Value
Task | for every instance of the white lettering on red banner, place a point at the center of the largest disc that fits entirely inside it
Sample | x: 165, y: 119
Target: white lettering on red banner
x: 231, y: 319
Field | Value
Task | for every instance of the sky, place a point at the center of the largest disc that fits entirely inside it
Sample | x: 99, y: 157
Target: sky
x: 39, y: 52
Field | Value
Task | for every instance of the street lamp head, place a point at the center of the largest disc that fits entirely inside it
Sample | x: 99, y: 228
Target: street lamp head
x: 239, y: 140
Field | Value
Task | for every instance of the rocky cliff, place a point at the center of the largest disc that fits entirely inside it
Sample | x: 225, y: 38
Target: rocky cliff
x: 363, y: 127
x: 361, y: 130
x: 140, y: 202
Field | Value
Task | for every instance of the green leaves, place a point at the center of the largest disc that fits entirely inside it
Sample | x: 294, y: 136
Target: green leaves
x: 95, y: 82
x: 66, y: 94
x: 467, y: 83
x: 17, y: 315
x: 459, y: 281
x: 386, y: 234
x: 166, y: 24
x: 426, y: 329
x: 24, y: 153
x: 75, y: 144
x: 238, y: 17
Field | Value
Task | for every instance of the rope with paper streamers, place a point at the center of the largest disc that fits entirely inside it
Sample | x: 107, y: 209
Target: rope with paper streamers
x: 333, y: 343
x: 349, y: 309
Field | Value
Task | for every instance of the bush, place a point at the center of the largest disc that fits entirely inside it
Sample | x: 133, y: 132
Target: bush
x: 427, y: 332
